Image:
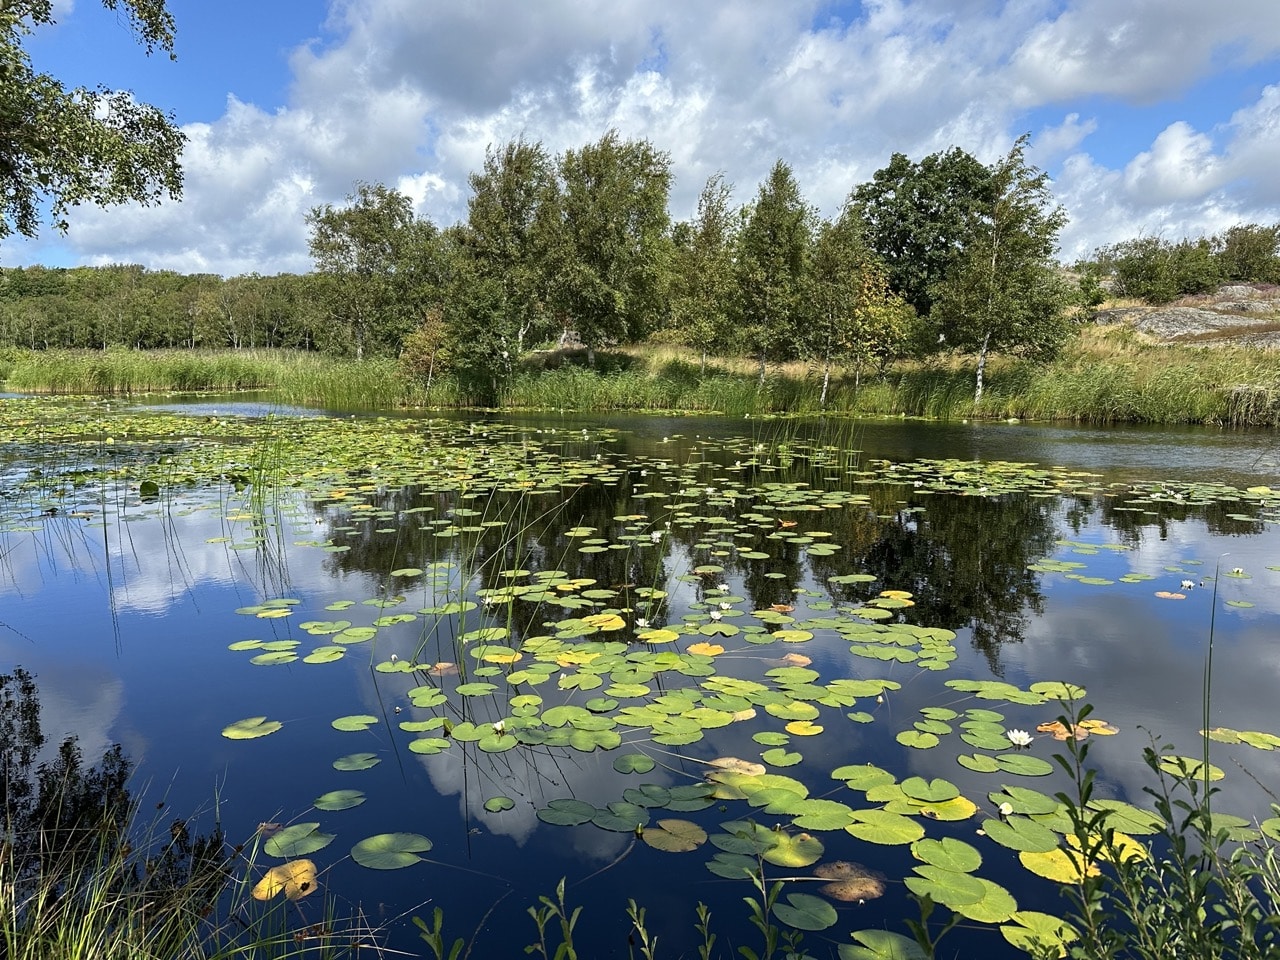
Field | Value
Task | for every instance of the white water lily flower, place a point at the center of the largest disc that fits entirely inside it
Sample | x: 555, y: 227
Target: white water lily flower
x: 716, y: 614
x: 655, y: 536
x: 641, y: 623
x: 1188, y: 584
x: 500, y: 727
x: 722, y: 587
x: 1019, y: 738
x: 725, y: 604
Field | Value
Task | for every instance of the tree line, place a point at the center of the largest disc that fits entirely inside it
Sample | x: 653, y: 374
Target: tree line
x: 941, y: 254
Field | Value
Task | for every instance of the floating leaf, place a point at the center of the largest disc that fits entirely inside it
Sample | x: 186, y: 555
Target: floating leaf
x: 880, y: 826
x: 735, y: 765
x: 1024, y: 765
x: 917, y: 739
x: 251, y: 728
x: 674, y: 836
x: 390, y: 851
x: 881, y: 945
x: 851, y: 882
x: 295, y: 880
x: 356, y: 761
x: 499, y: 804
x: 296, y: 840
x: 1190, y: 768
x: 338, y: 800
x: 706, y: 649
x: 804, y: 911
x: 951, y: 888
x: 929, y: 791
x: 1058, y: 865
x: 567, y: 812
x: 948, y: 853
x: 355, y: 722
x: 1033, y: 933
x: 1022, y: 834
x: 797, y: 850
x: 633, y: 763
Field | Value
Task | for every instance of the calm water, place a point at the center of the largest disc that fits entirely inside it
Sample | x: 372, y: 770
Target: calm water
x: 127, y: 625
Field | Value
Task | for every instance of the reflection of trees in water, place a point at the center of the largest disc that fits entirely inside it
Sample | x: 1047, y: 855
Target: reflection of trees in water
x: 965, y: 561
x: 964, y: 558
x: 68, y: 841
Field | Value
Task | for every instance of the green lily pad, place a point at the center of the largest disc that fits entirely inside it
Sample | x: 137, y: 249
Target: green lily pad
x: 390, y: 851
x: 355, y: 722
x: 338, y: 800
x: 567, y: 812
x: 251, y: 728
x: 948, y: 853
x: 499, y: 804
x: 356, y: 761
x: 881, y: 945
x: 633, y: 763
x: 880, y: 826
x: 296, y: 840
x: 804, y: 911
x: 1021, y: 834
x: 1024, y: 765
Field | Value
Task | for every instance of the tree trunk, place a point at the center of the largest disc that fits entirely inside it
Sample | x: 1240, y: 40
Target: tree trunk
x: 760, y: 383
x: 982, y: 365
x: 826, y: 382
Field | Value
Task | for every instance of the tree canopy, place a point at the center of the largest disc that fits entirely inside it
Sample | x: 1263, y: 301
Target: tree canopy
x: 919, y: 217
x: 63, y: 147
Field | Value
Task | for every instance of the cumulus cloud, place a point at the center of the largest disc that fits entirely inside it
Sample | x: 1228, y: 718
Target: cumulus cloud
x: 411, y: 95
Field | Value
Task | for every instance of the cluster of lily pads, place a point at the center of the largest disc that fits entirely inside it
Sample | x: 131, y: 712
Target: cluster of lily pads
x: 665, y: 644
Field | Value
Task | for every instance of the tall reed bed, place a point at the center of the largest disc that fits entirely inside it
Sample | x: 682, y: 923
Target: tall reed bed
x: 1105, y: 376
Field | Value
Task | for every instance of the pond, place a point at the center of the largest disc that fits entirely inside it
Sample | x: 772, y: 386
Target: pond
x: 456, y: 659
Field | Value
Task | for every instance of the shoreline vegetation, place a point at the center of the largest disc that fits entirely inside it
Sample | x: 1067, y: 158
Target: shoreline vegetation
x: 1105, y: 375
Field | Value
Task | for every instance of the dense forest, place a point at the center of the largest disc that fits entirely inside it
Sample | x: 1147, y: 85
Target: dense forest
x: 940, y: 254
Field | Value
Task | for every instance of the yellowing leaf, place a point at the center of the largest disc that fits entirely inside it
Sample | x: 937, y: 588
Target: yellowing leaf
x: 658, y: 636
x: 804, y: 728
x: 295, y: 879
x: 1057, y: 865
x: 605, y: 621
x: 706, y: 649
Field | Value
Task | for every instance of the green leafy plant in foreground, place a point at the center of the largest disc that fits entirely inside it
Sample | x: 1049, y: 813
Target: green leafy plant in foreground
x: 1206, y: 888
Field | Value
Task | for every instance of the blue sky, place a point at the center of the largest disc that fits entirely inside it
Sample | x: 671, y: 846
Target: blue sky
x: 1152, y: 116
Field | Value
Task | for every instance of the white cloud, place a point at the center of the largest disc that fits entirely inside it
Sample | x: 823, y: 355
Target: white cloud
x: 411, y: 94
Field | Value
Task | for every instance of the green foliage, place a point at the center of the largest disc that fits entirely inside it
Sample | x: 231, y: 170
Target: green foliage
x: 703, y: 285
x: 500, y: 274
x: 853, y: 318
x: 1153, y: 269
x: 1193, y: 893
x: 1002, y: 292
x: 609, y: 254
x: 377, y: 266
x: 920, y: 218
x: 774, y: 248
x: 61, y: 147
x: 1249, y: 252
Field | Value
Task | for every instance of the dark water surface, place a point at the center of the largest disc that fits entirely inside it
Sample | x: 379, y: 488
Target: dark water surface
x: 127, y: 627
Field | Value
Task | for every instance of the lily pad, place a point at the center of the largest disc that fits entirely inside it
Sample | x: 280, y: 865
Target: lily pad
x: 338, y: 800
x: 804, y: 911
x: 674, y: 836
x: 296, y: 840
x: 251, y: 728
x: 390, y: 851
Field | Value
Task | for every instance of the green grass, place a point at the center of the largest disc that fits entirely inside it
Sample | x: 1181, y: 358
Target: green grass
x: 1105, y: 376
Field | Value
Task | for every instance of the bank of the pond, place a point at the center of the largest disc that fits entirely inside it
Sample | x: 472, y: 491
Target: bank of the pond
x: 1106, y: 376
